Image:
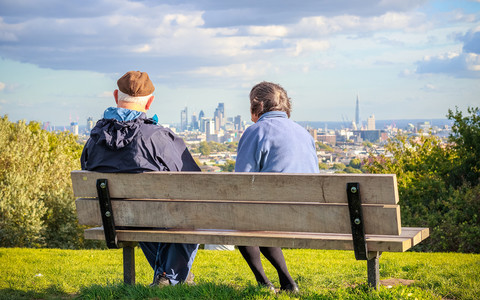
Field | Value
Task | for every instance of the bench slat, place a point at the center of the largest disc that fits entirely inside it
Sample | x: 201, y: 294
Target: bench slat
x: 375, y: 188
x: 242, y: 215
x: 408, y: 238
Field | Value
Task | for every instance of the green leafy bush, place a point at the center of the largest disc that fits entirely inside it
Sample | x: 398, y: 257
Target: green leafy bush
x: 37, y: 206
x: 355, y: 163
x: 229, y: 166
x: 338, y: 166
x: 322, y: 166
x: 438, y: 183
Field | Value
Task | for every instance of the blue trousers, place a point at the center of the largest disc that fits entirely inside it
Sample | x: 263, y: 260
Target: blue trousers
x: 174, y: 259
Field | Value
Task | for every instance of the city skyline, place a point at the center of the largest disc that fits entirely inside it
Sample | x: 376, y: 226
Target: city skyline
x: 59, y: 61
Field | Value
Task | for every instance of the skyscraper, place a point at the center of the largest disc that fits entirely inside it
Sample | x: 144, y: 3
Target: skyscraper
x: 194, y: 123
x: 219, y: 116
x: 210, y: 130
x: 184, y: 119
x: 221, y: 108
x: 237, y: 123
x: 371, y: 122
x: 74, y: 128
x: 90, y: 124
x: 201, y: 121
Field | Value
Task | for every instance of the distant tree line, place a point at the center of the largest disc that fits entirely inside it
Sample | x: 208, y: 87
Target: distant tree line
x: 206, y: 148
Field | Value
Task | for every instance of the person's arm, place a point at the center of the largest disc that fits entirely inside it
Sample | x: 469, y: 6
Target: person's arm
x: 249, y: 154
x: 84, y: 157
x: 173, y: 152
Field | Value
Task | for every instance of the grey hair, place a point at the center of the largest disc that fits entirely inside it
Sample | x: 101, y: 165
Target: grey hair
x: 127, y: 98
x: 268, y: 96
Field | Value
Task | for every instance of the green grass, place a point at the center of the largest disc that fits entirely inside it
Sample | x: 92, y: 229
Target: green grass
x: 97, y: 274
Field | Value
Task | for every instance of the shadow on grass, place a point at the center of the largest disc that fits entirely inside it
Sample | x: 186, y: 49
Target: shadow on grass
x: 216, y: 291
x: 52, y: 292
x: 201, y: 291
x: 225, y: 291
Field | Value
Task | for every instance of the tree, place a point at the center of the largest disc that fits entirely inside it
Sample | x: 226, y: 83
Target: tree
x: 466, y: 142
x: 322, y: 166
x: 352, y: 170
x: 436, y: 183
x: 229, y: 166
x: 324, y: 147
x: 355, y: 163
x: 338, y: 166
x: 204, y: 148
x: 367, y: 144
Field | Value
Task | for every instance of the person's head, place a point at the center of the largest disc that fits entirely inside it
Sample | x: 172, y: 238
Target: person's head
x: 267, y: 96
x: 135, y: 91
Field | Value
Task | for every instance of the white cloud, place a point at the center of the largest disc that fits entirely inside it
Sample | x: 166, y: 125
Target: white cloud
x: 473, y: 61
x: 143, y: 49
x: 244, y: 70
x: 460, y: 15
x: 2, y: 86
x: 306, y: 46
x: 273, y: 31
x: 7, y: 31
x: 353, y: 24
x: 429, y: 87
x: 456, y: 64
x: 460, y: 64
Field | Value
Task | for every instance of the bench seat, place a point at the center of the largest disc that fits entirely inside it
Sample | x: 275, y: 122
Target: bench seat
x: 383, y: 243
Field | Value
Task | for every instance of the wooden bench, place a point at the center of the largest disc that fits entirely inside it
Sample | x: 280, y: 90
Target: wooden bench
x: 337, y: 211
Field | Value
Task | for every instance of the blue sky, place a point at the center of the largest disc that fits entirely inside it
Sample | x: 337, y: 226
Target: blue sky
x: 405, y: 59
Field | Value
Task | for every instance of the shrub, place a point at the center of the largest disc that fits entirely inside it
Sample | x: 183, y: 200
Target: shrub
x: 438, y: 183
x: 37, y: 205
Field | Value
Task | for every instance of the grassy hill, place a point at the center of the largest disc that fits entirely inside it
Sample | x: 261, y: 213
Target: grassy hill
x: 97, y: 274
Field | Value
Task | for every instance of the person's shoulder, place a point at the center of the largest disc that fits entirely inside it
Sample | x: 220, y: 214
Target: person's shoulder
x: 154, y: 127
x: 255, y: 129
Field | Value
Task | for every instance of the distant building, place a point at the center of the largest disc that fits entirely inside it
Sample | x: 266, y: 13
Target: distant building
x: 210, y: 130
x: 74, y: 128
x: 327, y: 138
x: 202, y: 124
x: 371, y: 135
x: 194, y: 123
x: 424, y: 126
x: 357, y: 115
x: 90, y: 124
x: 184, y: 119
x: 371, y: 123
x: 219, y: 116
x: 313, y: 133
x: 238, y: 123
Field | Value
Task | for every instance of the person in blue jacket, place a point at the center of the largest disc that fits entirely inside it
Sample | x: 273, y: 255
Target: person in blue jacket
x: 273, y: 144
x: 126, y: 141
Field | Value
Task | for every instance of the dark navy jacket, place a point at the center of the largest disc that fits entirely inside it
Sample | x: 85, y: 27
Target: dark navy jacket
x: 135, y: 146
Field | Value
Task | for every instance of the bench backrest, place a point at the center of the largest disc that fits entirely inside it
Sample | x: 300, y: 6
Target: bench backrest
x: 240, y: 201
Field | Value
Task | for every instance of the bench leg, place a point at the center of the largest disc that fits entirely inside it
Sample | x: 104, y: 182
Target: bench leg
x: 373, y: 269
x: 129, y: 264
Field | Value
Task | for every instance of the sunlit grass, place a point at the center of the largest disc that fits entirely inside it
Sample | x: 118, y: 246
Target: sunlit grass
x: 97, y: 274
